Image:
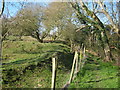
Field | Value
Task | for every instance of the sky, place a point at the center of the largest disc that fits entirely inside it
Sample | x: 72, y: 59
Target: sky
x: 53, y: 0
x: 13, y: 9
x: 13, y: 5
x: 57, y: 0
x: 29, y: 0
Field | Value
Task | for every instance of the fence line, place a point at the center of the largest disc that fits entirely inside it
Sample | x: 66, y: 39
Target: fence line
x: 77, y: 65
x: 79, y: 62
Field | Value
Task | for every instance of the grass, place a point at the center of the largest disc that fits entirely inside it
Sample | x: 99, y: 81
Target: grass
x: 96, y: 74
x: 27, y: 64
x: 39, y: 78
x: 23, y: 53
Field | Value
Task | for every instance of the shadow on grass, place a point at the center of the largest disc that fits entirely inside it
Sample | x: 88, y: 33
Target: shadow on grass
x: 65, y: 59
x: 13, y: 75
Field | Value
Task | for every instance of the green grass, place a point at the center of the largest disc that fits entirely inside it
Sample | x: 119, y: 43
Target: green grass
x: 39, y: 78
x: 24, y: 53
x: 96, y: 74
x: 27, y: 64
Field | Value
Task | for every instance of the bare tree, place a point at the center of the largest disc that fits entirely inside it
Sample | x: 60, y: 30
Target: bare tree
x: 1, y: 12
x: 2, y: 9
x: 96, y: 22
x: 113, y: 19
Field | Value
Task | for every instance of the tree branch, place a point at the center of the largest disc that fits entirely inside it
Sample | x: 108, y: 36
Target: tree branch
x: 108, y: 16
x: 2, y: 9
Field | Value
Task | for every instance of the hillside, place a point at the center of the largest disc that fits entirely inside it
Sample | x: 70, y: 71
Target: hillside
x: 27, y: 64
x: 97, y: 74
x: 21, y: 58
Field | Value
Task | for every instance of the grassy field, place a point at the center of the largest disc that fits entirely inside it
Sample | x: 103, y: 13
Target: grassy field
x: 27, y: 64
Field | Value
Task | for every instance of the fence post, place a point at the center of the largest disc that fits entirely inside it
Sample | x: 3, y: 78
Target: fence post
x: 53, y: 73
x: 80, y: 60
x: 71, y: 75
x: 84, y: 56
x: 84, y: 51
x: 76, y: 67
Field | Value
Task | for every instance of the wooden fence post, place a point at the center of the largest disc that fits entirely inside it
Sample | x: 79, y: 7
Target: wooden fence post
x: 53, y: 73
x: 84, y: 56
x: 80, y: 58
x: 84, y: 52
x: 71, y: 75
x: 76, y: 67
x: 80, y: 61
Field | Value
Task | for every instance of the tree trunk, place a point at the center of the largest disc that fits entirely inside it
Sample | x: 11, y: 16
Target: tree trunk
x: 38, y: 38
x: 106, y: 47
x: 100, y: 26
x: 3, y: 38
x: 118, y: 8
x: 3, y: 7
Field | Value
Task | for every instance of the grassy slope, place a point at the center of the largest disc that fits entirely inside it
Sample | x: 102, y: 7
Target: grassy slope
x: 96, y: 74
x: 25, y: 53
x: 28, y: 65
